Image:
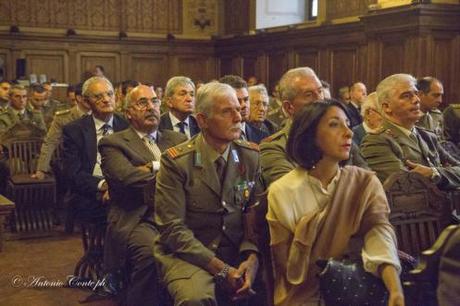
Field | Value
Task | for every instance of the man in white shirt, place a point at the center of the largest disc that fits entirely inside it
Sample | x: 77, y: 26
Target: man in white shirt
x: 180, y: 99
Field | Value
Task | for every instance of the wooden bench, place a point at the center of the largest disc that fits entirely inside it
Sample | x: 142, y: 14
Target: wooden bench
x: 6, y: 208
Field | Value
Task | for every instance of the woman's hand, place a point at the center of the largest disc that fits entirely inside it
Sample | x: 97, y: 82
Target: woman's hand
x: 392, y: 282
x: 396, y: 299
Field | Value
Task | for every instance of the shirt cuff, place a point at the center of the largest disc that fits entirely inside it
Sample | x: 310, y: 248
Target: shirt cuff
x: 155, y: 165
x: 99, y: 185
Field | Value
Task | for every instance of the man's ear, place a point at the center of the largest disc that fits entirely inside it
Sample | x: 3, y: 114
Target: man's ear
x: 201, y: 119
x: 168, y: 102
x: 288, y: 107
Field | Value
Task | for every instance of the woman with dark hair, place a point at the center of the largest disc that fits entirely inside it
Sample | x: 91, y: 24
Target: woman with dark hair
x: 321, y: 210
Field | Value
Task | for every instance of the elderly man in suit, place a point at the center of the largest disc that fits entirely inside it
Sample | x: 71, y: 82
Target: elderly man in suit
x: 298, y: 87
x: 130, y: 160
x: 372, y: 120
x: 180, y: 99
x: 203, y: 188
x: 82, y: 161
x: 400, y: 144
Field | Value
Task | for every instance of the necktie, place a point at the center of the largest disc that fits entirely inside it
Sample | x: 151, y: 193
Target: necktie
x: 243, y: 135
x: 21, y: 116
x: 106, y: 129
x: 153, y: 147
x: 181, y: 125
x: 413, y: 136
x: 220, y: 168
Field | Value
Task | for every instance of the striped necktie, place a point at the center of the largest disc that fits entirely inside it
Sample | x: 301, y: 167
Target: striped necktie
x: 153, y: 147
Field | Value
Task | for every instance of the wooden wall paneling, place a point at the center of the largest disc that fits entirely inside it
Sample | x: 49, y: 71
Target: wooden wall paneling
x: 111, y: 62
x: 373, y: 66
x: 443, y: 68
x: 225, y: 66
x: 391, y: 58
x: 7, y: 66
x: 343, y: 68
x: 236, y: 16
x: 454, y: 94
x: 249, y: 66
x: 307, y: 57
x: 277, y: 66
x: 54, y: 64
x: 346, y: 8
x: 196, y: 67
x: 149, y: 68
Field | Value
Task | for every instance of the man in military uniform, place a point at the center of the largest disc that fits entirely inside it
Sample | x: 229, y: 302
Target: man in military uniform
x: 430, y: 92
x: 4, y: 94
x: 401, y: 145
x: 130, y: 160
x: 18, y: 112
x: 203, y: 188
x: 39, y: 101
x: 54, y: 136
x: 451, y: 117
x: 298, y: 87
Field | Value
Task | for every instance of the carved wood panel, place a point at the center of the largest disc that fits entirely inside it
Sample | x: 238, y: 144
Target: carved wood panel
x: 110, y: 61
x: 140, y: 16
x: 391, y: 58
x: 277, y: 66
x: 51, y: 64
x: 343, y: 63
x: 307, y: 58
x: 226, y: 66
x: 346, y: 8
x: 236, y: 16
x: 250, y: 66
x: 149, y: 68
x: 194, y: 67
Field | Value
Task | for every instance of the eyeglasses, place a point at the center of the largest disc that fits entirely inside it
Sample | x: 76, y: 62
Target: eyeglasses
x: 144, y: 103
x: 101, y: 96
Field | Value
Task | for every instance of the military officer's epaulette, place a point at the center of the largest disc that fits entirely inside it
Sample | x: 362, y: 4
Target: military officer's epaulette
x: 389, y: 132
x: 435, y: 111
x: 274, y: 136
x: 378, y: 131
x: 181, y: 149
x: 247, y: 144
x: 62, y: 112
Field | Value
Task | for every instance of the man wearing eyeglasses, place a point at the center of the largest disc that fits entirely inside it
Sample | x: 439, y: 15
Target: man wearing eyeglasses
x: 130, y: 161
x: 180, y: 99
x: 400, y: 145
x: 82, y: 161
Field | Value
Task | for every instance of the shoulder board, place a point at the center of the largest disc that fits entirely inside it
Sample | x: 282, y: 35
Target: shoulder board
x: 181, y: 149
x: 62, y: 112
x: 388, y: 132
x: 435, y: 111
x: 247, y: 144
x: 274, y: 136
x: 455, y: 105
x: 378, y: 131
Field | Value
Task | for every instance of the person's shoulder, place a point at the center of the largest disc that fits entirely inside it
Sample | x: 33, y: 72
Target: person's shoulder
x: 5, y: 112
x: 182, y: 149
x: 174, y: 136
x: 350, y: 172
x: 61, y: 113
x: 275, y: 137
x: 247, y: 145
x: 436, y: 111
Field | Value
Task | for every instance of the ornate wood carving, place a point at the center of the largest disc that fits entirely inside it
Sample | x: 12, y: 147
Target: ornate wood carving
x: 346, y: 8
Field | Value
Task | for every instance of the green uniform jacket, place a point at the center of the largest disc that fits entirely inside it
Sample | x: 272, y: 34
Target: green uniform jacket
x: 8, y: 119
x: 193, y: 214
x: 54, y: 136
x: 433, y: 122
x: 275, y: 163
x: 387, y: 151
x: 452, y: 123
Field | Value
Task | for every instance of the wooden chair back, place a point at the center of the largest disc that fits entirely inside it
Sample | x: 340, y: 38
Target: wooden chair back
x: 419, y: 210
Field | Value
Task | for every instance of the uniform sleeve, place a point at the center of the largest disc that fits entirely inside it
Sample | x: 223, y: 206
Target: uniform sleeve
x: 382, y: 156
x: 170, y: 213
x: 273, y: 161
x: 52, y: 140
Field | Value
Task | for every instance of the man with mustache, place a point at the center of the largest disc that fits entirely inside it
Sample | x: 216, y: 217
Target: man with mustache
x: 130, y: 161
x: 203, y: 187
x: 401, y: 145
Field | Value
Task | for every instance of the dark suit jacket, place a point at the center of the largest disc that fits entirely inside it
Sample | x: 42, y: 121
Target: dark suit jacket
x: 254, y: 134
x: 358, y: 134
x: 80, y: 153
x: 166, y: 124
x: 131, y: 189
x: 353, y: 115
x: 387, y: 152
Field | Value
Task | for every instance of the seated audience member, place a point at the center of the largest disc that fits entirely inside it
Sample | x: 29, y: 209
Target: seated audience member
x: 39, y: 101
x: 49, y: 95
x: 248, y: 132
x: 258, y: 99
x: 126, y: 87
x: 202, y: 189
x: 54, y: 136
x: 372, y: 120
x: 401, y: 145
x: 17, y: 111
x: 81, y: 159
x: 180, y: 99
x: 4, y: 94
x: 298, y: 87
x: 276, y: 113
x: 98, y: 71
x: 451, y: 117
x: 130, y: 160
x: 358, y: 93
x: 71, y: 100
x: 319, y: 202
x: 326, y: 89
x: 430, y: 92
x: 344, y: 95
x: 252, y: 81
